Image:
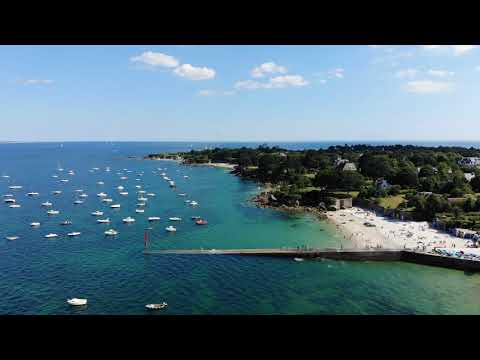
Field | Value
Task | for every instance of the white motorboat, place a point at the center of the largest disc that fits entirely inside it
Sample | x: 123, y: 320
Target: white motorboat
x: 5, y: 176
x: 51, y: 235
x: 141, y: 204
x: 128, y: 220
x: 171, y: 228
x: 172, y: 183
x: 66, y: 222
x: 139, y: 211
x: 153, y: 218
x: 156, y: 306
x: 12, y: 238
x: 138, y: 186
x: 107, y: 169
x: 79, y: 190
x: 56, y: 192
x: 47, y: 204
x: 141, y: 192
x: 111, y: 232
x: 115, y: 206
x: 151, y: 194
x: 185, y: 176
x: 35, y: 224
x: 14, y: 206
x: 106, y: 200
x: 188, y: 201
x: 175, y: 219
x: 78, y: 202
x: 71, y: 172
x: 75, y: 233
x: 10, y: 200
x: 100, y: 183
x: 183, y: 194
x: 193, y: 203
x: 96, y: 168
x: 15, y: 187
x: 65, y: 180
x: 124, y: 193
x: 138, y: 179
x: 298, y: 259
x: 120, y: 188
x: 142, y: 199
x: 53, y: 212
x: 83, y: 195
x: 77, y: 302
x: 124, y: 178
x: 54, y: 176
x: 163, y: 174
x: 33, y: 194
x: 8, y: 195
x: 102, y: 194
x: 97, y: 213
x: 103, y: 221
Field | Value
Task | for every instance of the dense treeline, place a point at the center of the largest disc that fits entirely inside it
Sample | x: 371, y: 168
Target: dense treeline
x: 424, y: 177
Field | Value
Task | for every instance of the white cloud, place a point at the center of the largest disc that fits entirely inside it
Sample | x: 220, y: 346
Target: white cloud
x: 457, y: 50
x: 323, y: 81
x: 477, y: 68
x: 268, y: 68
x: 194, y: 73
x: 277, y: 82
x: 156, y: 59
x: 440, y: 73
x: 406, y: 73
x: 288, y: 80
x: 37, y: 82
x: 215, y: 92
x: 338, y: 73
x: 427, y: 86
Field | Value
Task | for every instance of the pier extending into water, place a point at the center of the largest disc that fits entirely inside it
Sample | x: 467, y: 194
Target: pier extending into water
x: 338, y: 254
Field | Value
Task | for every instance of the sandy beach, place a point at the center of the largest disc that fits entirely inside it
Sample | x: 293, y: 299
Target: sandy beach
x: 389, y: 233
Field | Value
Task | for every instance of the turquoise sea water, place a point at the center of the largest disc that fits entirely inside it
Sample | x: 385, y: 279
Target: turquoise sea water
x: 37, y: 275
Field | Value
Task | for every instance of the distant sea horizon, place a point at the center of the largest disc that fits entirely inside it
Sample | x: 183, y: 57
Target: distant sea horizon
x: 288, y: 144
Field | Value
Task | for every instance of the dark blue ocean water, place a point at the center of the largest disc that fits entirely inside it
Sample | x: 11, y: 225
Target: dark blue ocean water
x: 37, y: 275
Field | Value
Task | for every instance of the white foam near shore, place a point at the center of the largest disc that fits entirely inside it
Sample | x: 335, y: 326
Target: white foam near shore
x: 389, y: 233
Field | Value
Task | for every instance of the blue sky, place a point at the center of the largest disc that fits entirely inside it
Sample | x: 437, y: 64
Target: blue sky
x: 239, y: 93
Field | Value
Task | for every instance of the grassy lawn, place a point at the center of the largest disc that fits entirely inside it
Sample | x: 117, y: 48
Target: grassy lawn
x: 308, y: 189
x: 391, y: 202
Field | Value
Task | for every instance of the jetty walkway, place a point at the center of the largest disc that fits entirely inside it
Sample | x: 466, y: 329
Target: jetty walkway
x: 338, y: 254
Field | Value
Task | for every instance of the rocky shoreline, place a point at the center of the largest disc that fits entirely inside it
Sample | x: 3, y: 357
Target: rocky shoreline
x: 266, y: 199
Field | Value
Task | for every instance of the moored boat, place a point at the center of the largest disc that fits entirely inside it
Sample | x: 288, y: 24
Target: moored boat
x: 171, y: 228
x: 111, y: 232
x: 77, y: 302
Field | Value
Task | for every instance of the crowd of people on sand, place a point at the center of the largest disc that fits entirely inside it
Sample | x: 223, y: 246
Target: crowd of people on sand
x: 366, y: 230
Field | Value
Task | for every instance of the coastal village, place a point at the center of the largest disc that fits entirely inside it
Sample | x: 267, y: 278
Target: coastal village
x: 405, y: 197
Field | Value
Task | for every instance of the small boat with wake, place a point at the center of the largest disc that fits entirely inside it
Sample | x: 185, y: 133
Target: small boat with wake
x: 156, y: 306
